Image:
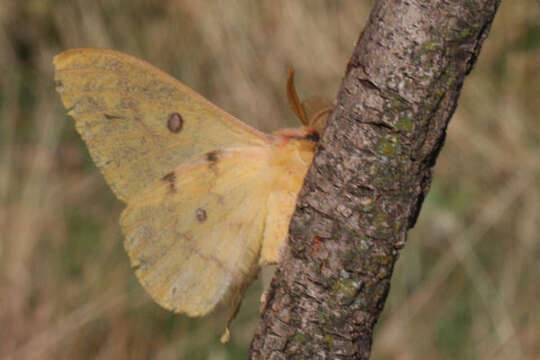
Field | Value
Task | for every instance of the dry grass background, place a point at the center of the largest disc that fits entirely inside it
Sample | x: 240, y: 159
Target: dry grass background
x: 467, y: 285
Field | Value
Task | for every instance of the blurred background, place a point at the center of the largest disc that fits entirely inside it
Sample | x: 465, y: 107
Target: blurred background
x: 467, y: 284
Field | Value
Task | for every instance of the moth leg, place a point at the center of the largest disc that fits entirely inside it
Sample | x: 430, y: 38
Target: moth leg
x: 235, y: 302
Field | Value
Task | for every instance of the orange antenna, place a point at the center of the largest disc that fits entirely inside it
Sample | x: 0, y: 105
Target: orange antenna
x: 294, y: 100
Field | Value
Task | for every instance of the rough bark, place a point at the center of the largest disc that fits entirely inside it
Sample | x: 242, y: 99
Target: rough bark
x: 369, y: 177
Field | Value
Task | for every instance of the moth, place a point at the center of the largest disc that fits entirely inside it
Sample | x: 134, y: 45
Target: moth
x: 208, y: 198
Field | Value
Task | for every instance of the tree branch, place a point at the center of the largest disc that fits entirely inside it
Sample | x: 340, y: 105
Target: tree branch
x: 369, y: 177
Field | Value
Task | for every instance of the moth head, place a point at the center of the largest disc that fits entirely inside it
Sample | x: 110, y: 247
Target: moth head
x: 312, y: 112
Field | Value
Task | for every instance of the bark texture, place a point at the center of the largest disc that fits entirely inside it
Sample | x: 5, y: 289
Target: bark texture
x: 369, y: 177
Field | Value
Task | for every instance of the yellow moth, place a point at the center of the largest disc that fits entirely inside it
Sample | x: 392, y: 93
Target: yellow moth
x: 209, y: 198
